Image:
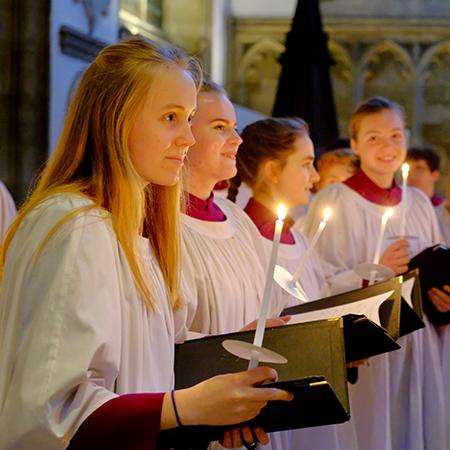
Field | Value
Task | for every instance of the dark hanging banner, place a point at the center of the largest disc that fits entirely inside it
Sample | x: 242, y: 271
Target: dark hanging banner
x: 304, y: 87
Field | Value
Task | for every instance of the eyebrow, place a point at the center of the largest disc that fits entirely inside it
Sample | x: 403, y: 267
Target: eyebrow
x: 377, y: 131
x: 172, y: 106
x: 224, y: 121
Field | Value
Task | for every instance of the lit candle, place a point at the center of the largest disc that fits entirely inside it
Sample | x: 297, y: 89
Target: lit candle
x: 305, y: 256
x: 376, y: 259
x: 259, y: 335
x: 405, y: 173
x: 384, y: 221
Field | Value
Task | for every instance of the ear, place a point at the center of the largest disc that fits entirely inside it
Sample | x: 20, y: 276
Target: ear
x: 435, y: 175
x: 354, y: 146
x: 270, y: 172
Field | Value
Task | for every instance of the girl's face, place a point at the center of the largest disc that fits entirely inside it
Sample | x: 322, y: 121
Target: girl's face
x: 213, y: 157
x: 161, y: 134
x: 380, y: 143
x: 292, y: 183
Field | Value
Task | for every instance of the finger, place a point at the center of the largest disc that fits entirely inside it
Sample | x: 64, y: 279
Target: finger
x: 400, y: 269
x: 287, y: 319
x: 261, y: 436
x: 275, y: 322
x: 269, y: 394
x: 227, y: 440
x: 447, y: 288
x: 247, y: 435
x: 441, y: 304
x: 258, y: 375
x: 236, y: 437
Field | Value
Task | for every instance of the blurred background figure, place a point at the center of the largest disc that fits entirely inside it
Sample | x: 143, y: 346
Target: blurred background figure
x: 7, y: 209
x: 443, y: 215
x: 424, y: 173
x: 338, y: 163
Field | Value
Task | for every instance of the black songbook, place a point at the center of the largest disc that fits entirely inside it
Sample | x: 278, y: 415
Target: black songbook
x: 315, y: 373
x: 434, y: 270
x: 411, y: 311
x: 371, y: 317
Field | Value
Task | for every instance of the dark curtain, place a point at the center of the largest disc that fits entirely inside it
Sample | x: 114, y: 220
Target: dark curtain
x: 304, y: 87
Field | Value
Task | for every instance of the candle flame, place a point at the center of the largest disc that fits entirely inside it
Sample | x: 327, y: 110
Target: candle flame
x: 389, y: 212
x: 326, y: 214
x: 281, y: 211
x: 405, y: 169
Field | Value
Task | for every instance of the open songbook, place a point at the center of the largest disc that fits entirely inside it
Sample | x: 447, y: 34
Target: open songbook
x: 371, y: 317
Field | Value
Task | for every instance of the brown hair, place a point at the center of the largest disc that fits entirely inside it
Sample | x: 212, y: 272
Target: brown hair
x: 267, y: 139
x: 92, y: 158
x: 373, y: 106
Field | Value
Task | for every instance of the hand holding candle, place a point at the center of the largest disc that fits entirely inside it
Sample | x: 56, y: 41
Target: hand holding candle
x: 307, y: 254
x: 259, y: 335
x: 405, y: 173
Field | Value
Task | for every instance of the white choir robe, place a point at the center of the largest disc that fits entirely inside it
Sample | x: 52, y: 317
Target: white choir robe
x: 443, y: 216
x: 329, y: 437
x: 74, y: 331
x: 7, y: 209
x: 223, y: 275
x: 397, y: 402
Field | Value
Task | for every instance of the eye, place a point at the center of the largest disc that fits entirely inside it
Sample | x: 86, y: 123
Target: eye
x: 219, y: 127
x: 397, y: 136
x: 170, y: 117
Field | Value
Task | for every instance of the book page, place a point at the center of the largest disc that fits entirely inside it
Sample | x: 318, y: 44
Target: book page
x: 407, y: 288
x: 367, y: 307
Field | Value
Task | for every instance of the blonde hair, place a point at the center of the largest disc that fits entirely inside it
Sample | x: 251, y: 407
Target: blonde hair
x: 92, y: 158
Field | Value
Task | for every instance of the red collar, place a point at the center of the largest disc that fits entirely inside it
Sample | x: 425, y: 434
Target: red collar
x: 365, y: 187
x: 437, y: 200
x: 264, y: 219
x: 205, y: 210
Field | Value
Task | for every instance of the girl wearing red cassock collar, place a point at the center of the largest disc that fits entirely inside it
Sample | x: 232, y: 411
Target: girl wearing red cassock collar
x: 398, y: 400
x: 90, y: 272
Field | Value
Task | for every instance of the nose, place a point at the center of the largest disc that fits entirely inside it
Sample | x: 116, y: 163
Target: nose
x: 186, y: 138
x: 315, y: 177
x: 236, y: 138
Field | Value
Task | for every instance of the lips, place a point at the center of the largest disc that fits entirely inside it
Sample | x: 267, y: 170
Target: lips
x: 230, y: 155
x: 176, y: 159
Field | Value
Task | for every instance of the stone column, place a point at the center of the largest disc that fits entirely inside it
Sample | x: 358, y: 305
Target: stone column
x: 24, y: 87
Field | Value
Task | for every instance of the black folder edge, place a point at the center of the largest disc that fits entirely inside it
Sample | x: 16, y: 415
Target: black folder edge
x: 434, y: 316
x: 306, y: 391
x: 391, y: 306
x: 313, y: 389
x: 411, y: 318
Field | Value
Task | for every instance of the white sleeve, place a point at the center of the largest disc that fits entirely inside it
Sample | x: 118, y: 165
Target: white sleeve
x: 60, y: 331
x: 335, y: 246
x: 7, y: 209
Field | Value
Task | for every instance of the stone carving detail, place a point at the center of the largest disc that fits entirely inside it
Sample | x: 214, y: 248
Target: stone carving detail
x: 435, y: 76
x: 342, y: 76
x: 387, y: 70
x: 93, y: 9
x: 257, y: 77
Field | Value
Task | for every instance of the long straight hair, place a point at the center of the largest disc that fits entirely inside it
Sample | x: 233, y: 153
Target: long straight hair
x: 92, y: 158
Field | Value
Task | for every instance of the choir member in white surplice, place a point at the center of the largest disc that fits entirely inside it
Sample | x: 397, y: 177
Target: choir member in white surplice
x: 398, y: 399
x: 223, y: 265
x: 86, y: 311
x: 276, y: 159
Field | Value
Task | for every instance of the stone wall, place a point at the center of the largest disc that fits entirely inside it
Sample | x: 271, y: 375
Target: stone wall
x: 407, y: 60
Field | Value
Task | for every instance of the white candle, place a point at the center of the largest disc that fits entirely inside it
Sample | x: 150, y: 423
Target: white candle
x: 384, y: 221
x: 259, y: 335
x: 405, y: 173
x: 320, y: 228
